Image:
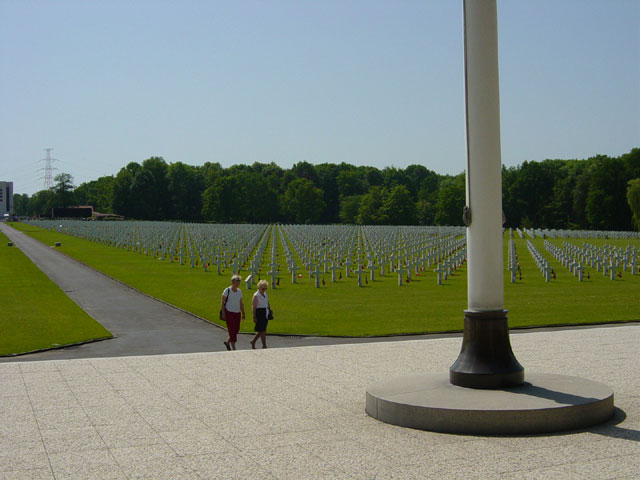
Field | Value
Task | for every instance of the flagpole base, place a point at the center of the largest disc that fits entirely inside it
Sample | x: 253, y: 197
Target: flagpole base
x: 486, y: 360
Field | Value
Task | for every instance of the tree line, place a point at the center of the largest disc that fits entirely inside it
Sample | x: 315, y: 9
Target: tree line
x: 597, y: 193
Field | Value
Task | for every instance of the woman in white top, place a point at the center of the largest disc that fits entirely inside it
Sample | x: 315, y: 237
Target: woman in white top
x: 260, y: 308
x: 231, y: 308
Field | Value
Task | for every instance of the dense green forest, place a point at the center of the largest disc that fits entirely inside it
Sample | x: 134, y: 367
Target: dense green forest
x: 598, y: 193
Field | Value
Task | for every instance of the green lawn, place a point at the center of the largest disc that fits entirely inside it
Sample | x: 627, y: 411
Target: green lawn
x: 36, y: 314
x: 379, y: 308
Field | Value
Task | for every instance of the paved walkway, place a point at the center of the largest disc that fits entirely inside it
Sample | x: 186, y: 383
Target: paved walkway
x: 297, y: 413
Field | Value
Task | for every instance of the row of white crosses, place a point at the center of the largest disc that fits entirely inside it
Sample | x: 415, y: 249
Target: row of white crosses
x: 273, y: 264
x: 360, y: 251
x: 196, y: 244
x: 606, y: 259
x: 512, y: 258
x: 541, y: 262
x: 566, y: 259
x: 577, y: 234
x: 220, y: 245
x: 624, y: 258
x: 141, y: 237
x: 410, y: 250
x: 319, y: 246
x: 628, y: 257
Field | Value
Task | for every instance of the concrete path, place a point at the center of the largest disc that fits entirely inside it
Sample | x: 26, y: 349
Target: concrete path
x: 298, y: 413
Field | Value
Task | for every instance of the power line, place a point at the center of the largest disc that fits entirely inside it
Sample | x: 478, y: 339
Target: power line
x: 48, y: 169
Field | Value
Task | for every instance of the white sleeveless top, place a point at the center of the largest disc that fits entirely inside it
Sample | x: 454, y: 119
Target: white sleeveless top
x: 233, y: 300
x: 263, y: 302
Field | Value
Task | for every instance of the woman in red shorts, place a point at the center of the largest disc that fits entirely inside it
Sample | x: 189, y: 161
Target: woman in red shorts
x: 232, y: 308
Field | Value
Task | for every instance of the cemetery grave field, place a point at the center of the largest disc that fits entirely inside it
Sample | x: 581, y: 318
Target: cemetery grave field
x: 36, y: 314
x: 165, y: 260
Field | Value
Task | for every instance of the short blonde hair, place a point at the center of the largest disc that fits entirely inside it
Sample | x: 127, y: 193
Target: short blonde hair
x: 236, y: 277
x: 263, y: 283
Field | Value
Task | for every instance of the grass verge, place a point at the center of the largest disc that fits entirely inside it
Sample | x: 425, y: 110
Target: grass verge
x: 36, y: 314
x: 380, y: 307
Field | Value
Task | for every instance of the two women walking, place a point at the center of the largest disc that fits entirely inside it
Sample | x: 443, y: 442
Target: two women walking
x: 232, y: 311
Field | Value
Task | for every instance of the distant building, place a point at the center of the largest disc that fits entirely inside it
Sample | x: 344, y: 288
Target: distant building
x: 6, y: 199
x: 72, y: 212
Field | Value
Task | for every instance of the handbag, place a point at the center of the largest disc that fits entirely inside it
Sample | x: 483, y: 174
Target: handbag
x: 270, y: 314
x: 226, y: 299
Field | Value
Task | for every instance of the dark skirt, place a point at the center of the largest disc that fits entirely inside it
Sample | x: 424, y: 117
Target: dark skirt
x: 261, y: 320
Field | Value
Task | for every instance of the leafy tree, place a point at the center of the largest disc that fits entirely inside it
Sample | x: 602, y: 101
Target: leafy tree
x: 631, y: 162
x: 150, y: 188
x: 260, y: 201
x: 41, y: 203
x: 425, y: 212
x: 63, y: 189
x: 418, y: 177
x: 370, y: 207
x: 302, y: 202
x: 580, y: 192
x: 305, y: 170
x: 123, y: 201
x: 427, y: 197
x: 633, y: 198
x: 533, y: 189
x: 185, y: 185
x: 398, y: 207
x: 373, y: 176
x: 20, y: 204
x: 263, y: 203
x: 606, y: 206
x: 97, y: 193
x: 210, y: 172
x: 588, y: 193
x: 225, y: 201
x: 393, y: 176
x: 450, y: 202
x: 327, y: 181
x: 351, y: 182
x: 349, y: 207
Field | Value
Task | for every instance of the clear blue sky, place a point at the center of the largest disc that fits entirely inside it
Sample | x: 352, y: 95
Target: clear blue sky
x: 366, y: 82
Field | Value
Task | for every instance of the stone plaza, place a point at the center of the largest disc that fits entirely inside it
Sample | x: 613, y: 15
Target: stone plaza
x: 298, y: 413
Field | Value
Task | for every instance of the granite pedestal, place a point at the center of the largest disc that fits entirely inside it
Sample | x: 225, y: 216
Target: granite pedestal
x: 543, y: 404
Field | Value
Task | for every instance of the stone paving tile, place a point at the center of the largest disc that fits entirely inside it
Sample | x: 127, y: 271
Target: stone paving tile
x: 10, y: 369
x: 622, y: 467
x: 227, y: 466
x: 34, y: 474
x: 63, y: 418
x: 72, y: 439
x: 299, y: 413
x: 13, y: 409
x: 37, y: 367
x: 85, y: 464
x: 20, y: 431
x: 292, y: 462
x: 171, y: 421
x: 116, y: 436
x: 24, y: 460
x: 188, y: 442
x: 9, y: 447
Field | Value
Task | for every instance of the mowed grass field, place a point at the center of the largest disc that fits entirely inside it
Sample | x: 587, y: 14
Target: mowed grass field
x: 36, y: 314
x: 380, y: 307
